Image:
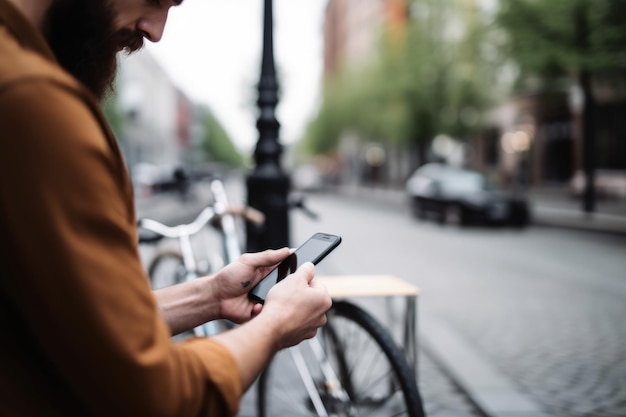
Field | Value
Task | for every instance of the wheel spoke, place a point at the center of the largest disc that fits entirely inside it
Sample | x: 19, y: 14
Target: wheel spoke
x: 166, y: 269
x: 370, y: 366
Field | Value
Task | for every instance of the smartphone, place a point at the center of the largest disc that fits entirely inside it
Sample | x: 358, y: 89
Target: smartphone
x: 313, y: 250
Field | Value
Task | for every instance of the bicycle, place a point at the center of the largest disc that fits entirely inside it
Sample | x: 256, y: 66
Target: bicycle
x: 353, y: 367
x: 174, y: 266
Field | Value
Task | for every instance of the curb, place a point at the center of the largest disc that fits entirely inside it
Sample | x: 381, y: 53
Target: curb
x: 542, y: 215
x: 576, y: 220
x: 491, y: 392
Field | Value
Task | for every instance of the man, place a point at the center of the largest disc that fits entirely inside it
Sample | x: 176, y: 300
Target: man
x: 82, y: 333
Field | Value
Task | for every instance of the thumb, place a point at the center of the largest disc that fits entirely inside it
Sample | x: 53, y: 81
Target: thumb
x: 256, y: 310
x: 308, y: 270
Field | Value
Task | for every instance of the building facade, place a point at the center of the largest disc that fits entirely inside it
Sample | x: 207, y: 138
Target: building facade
x: 157, y: 115
x: 352, y: 30
x: 532, y: 138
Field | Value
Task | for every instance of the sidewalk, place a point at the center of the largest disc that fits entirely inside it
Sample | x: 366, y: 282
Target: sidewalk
x: 553, y: 207
x: 471, y: 386
x: 550, y: 207
x: 476, y: 375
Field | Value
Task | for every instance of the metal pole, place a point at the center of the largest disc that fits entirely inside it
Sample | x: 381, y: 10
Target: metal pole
x: 268, y: 185
x: 583, y: 40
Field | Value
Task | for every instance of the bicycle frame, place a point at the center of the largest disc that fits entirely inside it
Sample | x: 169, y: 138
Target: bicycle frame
x: 322, y: 384
x: 232, y: 248
x: 182, y: 233
x: 222, y: 216
x: 332, y: 383
x: 336, y: 377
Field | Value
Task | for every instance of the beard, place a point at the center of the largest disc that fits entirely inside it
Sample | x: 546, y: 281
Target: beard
x: 82, y: 35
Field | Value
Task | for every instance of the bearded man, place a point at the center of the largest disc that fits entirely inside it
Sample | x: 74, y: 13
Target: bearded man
x: 83, y: 334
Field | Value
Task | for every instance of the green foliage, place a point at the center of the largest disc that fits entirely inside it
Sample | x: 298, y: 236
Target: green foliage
x: 420, y: 84
x: 555, y: 38
x: 324, y: 131
x: 216, y: 143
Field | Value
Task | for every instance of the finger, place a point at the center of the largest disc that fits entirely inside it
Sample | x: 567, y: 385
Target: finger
x: 308, y: 271
x: 316, y: 283
x: 274, y: 255
x: 268, y: 257
x: 256, y: 310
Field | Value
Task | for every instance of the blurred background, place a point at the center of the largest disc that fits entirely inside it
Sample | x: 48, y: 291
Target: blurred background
x: 476, y: 148
x: 496, y: 86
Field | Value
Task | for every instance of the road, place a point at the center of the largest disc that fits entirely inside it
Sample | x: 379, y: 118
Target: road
x: 544, y: 307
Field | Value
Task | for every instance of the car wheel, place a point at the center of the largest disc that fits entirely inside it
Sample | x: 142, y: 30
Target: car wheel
x: 453, y: 215
x: 520, y: 221
x: 418, y: 210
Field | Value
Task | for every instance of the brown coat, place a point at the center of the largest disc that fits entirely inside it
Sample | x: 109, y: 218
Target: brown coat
x: 81, y: 331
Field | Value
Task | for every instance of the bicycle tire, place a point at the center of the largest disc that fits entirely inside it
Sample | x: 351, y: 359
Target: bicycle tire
x: 166, y: 269
x: 352, y: 339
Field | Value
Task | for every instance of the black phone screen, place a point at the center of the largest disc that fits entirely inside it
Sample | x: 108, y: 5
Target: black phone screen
x: 313, y: 250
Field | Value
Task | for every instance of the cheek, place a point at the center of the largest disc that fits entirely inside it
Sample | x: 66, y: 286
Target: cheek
x: 127, y: 15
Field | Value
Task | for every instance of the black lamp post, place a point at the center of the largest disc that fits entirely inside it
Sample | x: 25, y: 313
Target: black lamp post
x: 268, y: 185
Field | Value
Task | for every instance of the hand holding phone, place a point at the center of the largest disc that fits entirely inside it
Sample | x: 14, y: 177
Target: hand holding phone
x: 313, y: 250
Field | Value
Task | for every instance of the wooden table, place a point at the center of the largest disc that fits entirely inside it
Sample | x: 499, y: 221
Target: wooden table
x: 350, y: 286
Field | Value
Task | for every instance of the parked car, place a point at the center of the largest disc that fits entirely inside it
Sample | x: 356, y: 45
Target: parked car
x: 462, y: 197
x: 150, y: 179
x: 307, y: 178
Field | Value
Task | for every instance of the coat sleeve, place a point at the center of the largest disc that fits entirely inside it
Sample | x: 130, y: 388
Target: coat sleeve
x: 77, y: 278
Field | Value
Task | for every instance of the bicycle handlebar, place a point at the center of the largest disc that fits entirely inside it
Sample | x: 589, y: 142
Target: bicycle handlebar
x: 247, y: 213
x: 213, y: 215
x: 297, y: 201
x: 207, y: 215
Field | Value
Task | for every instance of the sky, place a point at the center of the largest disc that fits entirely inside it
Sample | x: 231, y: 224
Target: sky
x: 212, y: 51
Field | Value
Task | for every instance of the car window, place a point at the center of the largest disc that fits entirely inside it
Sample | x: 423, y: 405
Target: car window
x: 455, y: 182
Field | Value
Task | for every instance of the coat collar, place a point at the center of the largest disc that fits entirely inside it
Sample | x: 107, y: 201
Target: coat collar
x: 23, y: 30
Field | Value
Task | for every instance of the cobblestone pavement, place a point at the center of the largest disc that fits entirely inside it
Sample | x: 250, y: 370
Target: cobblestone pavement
x: 551, y: 319
x: 546, y: 307
x: 440, y: 395
x: 564, y: 346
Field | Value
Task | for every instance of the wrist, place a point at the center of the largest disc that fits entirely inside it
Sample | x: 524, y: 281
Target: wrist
x: 269, y: 331
x: 187, y: 305
x: 277, y: 324
x: 209, y: 296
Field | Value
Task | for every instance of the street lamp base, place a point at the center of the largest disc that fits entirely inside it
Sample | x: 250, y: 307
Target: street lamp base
x: 268, y: 194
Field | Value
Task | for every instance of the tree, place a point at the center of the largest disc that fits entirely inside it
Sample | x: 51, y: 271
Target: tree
x: 578, y: 39
x: 216, y: 144
x: 422, y: 82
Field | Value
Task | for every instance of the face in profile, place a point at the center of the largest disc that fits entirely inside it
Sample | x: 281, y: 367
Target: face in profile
x: 83, y: 37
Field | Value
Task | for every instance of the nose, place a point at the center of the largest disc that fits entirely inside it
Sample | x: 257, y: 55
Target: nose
x: 153, y: 26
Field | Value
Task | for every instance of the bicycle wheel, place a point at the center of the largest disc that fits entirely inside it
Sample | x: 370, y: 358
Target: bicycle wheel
x: 372, y: 373
x: 166, y: 269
